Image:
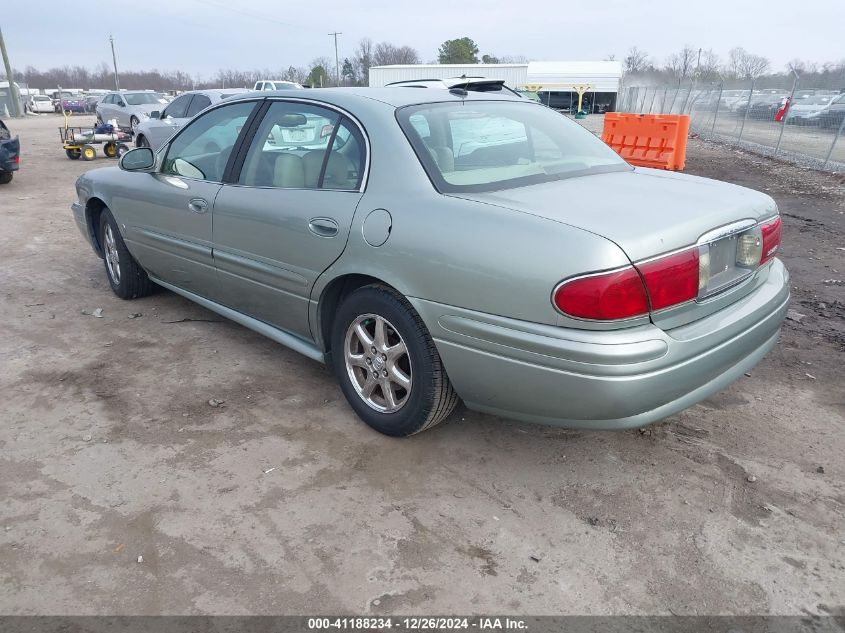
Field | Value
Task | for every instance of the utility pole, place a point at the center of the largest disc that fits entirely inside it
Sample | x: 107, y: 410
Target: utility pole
x: 114, y: 60
x: 336, y: 59
x: 13, y: 89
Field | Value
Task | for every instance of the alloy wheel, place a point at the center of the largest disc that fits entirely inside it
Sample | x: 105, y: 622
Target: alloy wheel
x: 378, y: 363
x: 112, y: 256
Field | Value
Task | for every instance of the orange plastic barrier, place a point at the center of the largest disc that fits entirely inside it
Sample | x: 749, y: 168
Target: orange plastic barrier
x: 648, y: 140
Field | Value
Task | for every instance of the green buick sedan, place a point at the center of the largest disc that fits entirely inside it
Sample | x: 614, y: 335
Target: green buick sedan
x: 437, y: 245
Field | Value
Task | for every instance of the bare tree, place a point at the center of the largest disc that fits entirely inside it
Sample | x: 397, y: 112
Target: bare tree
x: 708, y: 65
x: 362, y: 59
x: 744, y: 65
x: 636, y: 61
x: 387, y: 53
x: 682, y: 64
x: 513, y: 59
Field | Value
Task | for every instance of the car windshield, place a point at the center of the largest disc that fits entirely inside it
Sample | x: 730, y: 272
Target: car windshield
x: 140, y: 98
x: 489, y: 146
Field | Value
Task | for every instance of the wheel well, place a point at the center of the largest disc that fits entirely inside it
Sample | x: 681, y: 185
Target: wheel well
x: 93, y: 211
x: 332, y: 297
x: 138, y: 140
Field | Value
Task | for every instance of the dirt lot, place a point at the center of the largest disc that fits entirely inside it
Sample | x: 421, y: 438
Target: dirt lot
x: 281, y: 501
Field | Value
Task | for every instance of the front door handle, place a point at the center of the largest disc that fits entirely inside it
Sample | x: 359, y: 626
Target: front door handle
x: 323, y: 227
x: 198, y: 205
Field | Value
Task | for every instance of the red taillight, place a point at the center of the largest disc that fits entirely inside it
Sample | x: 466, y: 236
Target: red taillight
x: 672, y: 279
x: 618, y: 294
x: 771, y: 239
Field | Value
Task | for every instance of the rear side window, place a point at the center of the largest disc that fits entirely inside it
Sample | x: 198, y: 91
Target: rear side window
x: 304, y: 146
x: 198, y: 104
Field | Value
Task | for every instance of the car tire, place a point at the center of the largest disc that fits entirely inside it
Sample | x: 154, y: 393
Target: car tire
x: 99, y: 119
x: 6, y: 177
x: 141, y: 141
x: 133, y: 124
x: 126, y: 277
x: 422, y: 395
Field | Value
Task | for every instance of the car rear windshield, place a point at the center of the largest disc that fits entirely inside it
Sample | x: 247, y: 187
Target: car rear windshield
x: 140, y: 98
x: 473, y: 146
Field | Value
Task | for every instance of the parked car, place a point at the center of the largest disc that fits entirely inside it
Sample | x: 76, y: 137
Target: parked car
x: 766, y: 107
x: 762, y: 105
x: 10, y: 158
x: 808, y: 111
x: 69, y: 102
x: 153, y: 132
x: 424, y: 272
x: 832, y: 115
x: 276, y: 84
x: 91, y: 102
x: 40, y: 104
x: 128, y: 108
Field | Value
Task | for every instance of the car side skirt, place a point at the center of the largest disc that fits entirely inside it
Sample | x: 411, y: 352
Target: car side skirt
x: 297, y: 344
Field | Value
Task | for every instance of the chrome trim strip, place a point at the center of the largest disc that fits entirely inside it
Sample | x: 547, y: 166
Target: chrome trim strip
x: 726, y: 231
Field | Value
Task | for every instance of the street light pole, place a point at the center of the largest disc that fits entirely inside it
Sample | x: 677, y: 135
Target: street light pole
x: 336, y: 59
x: 114, y: 61
x: 13, y: 89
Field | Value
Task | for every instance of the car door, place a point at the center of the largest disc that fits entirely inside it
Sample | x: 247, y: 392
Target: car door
x: 172, y: 118
x: 286, y: 216
x: 167, y: 214
x: 104, y: 108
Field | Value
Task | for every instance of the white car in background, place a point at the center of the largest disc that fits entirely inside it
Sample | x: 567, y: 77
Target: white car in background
x: 128, y: 108
x: 161, y: 125
x: 276, y: 84
x: 40, y: 103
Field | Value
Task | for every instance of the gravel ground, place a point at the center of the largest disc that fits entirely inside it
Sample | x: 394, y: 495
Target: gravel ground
x: 125, y: 492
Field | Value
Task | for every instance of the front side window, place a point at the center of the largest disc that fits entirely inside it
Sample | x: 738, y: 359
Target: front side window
x: 291, y: 150
x: 203, y: 148
x: 200, y: 103
x: 489, y: 146
x: 177, y: 109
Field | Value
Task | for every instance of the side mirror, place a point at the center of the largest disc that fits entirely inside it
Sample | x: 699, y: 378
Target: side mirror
x: 138, y: 159
x: 155, y: 114
x: 121, y: 104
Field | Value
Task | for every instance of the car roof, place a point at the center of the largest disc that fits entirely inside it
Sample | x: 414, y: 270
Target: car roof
x: 391, y: 96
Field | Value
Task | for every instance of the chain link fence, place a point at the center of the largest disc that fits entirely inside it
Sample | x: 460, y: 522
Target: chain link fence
x: 802, y: 125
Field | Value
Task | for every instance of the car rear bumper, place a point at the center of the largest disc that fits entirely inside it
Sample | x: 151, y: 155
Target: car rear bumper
x: 603, y: 379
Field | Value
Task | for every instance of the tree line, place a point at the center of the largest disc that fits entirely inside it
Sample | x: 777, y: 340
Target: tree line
x: 354, y: 70
x: 740, y: 66
x: 686, y: 65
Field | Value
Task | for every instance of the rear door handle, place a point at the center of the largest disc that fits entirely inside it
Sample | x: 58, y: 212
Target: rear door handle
x: 198, y: 205
x: 323, y: 227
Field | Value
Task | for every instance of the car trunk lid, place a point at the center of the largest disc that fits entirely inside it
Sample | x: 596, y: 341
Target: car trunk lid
x: 649, y: 213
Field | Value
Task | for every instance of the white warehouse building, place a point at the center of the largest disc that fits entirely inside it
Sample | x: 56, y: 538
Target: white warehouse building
x: 555, y: 82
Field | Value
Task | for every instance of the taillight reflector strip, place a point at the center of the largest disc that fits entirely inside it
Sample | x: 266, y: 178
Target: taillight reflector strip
x: 771, y: 239
x: 618, y: 294
x: 672, y: 279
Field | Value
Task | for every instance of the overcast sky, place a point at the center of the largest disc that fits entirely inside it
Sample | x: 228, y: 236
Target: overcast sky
x: 201, y: 36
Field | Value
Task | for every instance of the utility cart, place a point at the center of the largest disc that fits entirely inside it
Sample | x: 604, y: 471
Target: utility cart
x: 79, y: 142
